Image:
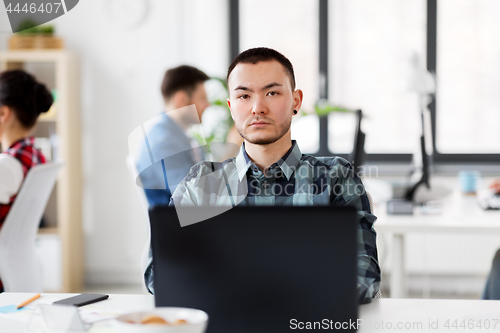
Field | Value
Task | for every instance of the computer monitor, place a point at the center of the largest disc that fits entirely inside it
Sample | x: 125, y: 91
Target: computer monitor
x: 358, y: 155
x: 258, y: 269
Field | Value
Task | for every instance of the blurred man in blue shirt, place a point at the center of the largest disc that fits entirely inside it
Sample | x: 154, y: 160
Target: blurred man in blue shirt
x: 169, y: 152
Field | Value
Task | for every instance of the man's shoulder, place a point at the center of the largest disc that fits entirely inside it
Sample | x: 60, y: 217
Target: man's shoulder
x: 164, y: 139
x: 204, y: 168
x: 163, y: 127
x: 330, y: 164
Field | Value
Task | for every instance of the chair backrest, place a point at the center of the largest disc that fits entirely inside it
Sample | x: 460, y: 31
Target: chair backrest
x: 370, y: 201
x: 20, y: 268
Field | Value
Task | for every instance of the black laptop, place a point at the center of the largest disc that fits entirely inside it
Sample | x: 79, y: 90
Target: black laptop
x: 259, y: 269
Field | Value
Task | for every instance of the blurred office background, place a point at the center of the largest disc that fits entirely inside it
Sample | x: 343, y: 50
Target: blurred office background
x: 356, y: 54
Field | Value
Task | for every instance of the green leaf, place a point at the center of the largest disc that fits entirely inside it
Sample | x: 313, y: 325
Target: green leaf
x: 323, y: 109
x: 28, y: 26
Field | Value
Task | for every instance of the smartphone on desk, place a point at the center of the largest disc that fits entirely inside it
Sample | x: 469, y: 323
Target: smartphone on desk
x: 82, y: 299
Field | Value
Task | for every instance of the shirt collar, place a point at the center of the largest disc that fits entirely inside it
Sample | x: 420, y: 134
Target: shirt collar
x: 288, y: 163
x: 28, y: 141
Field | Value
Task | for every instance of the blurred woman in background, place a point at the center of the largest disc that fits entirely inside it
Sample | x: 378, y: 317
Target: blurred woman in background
x: 22, y: 100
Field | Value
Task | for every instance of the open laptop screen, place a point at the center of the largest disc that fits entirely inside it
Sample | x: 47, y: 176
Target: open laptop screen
x: 259, y: 269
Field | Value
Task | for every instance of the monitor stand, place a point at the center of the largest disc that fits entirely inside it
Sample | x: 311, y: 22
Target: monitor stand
x: 400, y: 206
x: 416, y: 195
x: 405, y: 205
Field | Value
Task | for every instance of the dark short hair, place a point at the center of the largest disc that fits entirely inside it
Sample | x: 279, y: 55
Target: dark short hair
x: 181, y: 78
x: 26, y: 96
x: 255, y: 55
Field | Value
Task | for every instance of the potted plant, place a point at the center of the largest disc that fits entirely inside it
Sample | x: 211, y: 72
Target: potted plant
x: 212, y: 134
x: 33, y: 36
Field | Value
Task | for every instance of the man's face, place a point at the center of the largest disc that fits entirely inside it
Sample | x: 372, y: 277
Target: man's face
x: 199, y: 99
x: 261, y: 101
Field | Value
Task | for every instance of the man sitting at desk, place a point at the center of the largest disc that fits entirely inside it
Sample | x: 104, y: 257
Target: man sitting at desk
x: 273, y: 171
x: 182, y: 86
x: 185, y: 101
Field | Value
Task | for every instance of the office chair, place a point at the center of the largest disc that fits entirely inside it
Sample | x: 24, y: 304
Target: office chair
x: 20, y: 267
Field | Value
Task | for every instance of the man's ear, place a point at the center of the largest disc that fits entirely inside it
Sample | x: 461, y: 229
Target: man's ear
x: 181, y: 99
x: 298, y: 95
x: 229, y: 105
x: 5, y: 113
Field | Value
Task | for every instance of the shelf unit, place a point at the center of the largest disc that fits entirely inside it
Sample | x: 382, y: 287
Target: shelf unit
x: 66, y: 124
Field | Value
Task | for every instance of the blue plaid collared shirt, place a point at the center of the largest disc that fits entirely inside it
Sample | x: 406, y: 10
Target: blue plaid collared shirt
x: 295, y: 179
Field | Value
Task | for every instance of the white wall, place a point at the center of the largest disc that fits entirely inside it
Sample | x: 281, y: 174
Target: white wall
x: 5, y: 29
x: 121, y: 72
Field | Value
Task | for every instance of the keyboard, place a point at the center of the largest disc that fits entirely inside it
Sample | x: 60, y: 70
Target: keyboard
x: 490, y: 202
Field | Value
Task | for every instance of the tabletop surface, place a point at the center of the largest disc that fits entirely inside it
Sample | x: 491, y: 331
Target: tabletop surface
x: 458, y: 213
x: 383, y: 315
x: 115, y: 305
x: 430, y: 315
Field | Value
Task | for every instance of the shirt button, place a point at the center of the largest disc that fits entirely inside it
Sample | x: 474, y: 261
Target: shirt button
x: 265, y: 186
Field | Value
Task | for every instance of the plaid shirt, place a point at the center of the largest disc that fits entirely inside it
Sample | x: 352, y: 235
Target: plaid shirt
x: 294, y: 180
x: 24, y: 151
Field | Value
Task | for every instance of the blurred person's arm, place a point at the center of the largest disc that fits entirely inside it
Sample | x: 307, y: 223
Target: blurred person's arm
x: 11, y: 177
x: 351, y: 192
x: 149, y: 273
x: 496, y: 186
x: 179, y: 193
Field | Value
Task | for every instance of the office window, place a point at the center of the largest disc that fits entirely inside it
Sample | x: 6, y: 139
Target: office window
x: 305, y: 129
x: 468, y: 68
x: 371, y: 44
x: 341, y: 132
x: 290, y: 27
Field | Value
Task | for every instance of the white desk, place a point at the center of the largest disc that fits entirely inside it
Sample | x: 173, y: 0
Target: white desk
x: 460, y: 214
x: 381, y: 315
x: 125, y: 303
x: 429, y: 315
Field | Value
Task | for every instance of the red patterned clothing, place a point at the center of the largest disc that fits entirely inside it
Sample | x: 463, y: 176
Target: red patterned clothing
x: 23, y: 151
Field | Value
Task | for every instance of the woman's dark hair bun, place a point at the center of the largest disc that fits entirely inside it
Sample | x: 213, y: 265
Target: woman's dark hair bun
x: 26, y: 96
x: 42, y: 98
